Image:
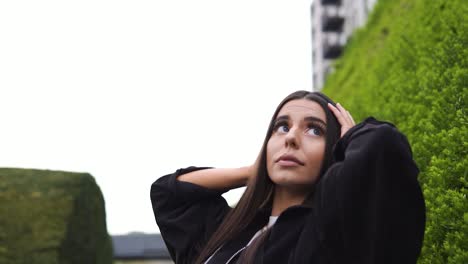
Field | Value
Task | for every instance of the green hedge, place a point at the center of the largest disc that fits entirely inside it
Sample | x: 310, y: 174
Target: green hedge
x: 49, y: 217
x: 409, y: 65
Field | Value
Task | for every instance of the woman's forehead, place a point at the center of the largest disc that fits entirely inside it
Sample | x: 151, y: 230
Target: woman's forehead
x: 302, y: 107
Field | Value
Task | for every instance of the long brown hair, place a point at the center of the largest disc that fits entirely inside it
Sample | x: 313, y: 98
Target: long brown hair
x: 259, y: 191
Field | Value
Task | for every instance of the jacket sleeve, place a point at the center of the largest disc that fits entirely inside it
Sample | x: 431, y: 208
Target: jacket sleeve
x: 186, y: 214
x: 370, y: 207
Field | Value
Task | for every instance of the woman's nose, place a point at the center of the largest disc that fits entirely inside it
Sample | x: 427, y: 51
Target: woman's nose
x: 291, y: 139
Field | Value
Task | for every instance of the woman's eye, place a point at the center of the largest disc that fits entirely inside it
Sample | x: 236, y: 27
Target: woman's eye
x: 282, y: 129
x: 314, y: 131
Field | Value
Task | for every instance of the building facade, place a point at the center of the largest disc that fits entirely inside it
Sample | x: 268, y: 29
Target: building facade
x: 333, y: 22
x: 140, y: 248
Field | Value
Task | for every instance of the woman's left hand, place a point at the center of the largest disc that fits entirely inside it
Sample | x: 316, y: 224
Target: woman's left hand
x: 343, y: 116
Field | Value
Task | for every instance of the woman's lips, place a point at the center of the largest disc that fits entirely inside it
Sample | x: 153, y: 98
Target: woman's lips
x: 289, y: 161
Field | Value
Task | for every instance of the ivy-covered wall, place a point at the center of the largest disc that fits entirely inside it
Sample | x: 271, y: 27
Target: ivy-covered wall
x: 49, y: 217
x: 409, y: 65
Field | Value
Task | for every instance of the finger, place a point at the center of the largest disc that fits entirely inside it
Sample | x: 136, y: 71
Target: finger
x: 337, y: 114
x: 344, y: 122
x: 348, y: 120
x: 351, y: 117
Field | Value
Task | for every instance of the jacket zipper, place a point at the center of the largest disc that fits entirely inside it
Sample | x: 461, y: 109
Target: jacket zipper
x: 235, y: 254
x: 229, y: 260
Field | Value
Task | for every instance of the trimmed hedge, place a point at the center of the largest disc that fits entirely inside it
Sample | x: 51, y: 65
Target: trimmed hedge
x: 49, y: 217
x: 409, y: 65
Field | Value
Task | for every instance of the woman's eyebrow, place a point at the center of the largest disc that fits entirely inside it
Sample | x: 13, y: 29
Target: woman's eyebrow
x: 315, y: 119
x: 283, y: 117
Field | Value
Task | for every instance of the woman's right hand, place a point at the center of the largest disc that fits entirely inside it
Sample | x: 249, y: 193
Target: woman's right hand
x: 253, y: 169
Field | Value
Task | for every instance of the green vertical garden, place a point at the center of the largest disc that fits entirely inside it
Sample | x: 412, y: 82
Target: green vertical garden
x: 409, y: 65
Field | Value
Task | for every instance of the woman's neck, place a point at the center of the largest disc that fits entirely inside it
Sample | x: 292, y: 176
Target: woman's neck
x: 285, y: 198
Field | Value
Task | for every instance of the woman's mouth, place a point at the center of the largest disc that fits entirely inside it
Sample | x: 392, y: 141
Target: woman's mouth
x: 288, y: 160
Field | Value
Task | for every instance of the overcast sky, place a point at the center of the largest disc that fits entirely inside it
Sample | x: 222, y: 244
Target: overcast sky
x: 129, y: 91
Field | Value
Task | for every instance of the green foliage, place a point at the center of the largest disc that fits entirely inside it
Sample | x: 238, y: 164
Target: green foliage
x: 49, y: 217
x: 409, y: 65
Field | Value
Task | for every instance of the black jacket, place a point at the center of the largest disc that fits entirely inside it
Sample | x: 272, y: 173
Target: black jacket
x: 367, y: 208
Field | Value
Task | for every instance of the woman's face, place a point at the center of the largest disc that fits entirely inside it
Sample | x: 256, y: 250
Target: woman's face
x: 296, y: 148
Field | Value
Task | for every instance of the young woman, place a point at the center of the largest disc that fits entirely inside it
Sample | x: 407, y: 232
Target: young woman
x: 323, y: 190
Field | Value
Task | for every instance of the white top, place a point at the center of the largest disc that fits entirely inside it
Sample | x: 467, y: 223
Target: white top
x: 271, y: 222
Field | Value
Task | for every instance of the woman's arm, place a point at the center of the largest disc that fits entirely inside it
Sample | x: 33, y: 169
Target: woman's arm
x: 219, y: 178
x: 222, y: 178
x: 188, y: 206
x: 187, y: 214
x: 370, y: 207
